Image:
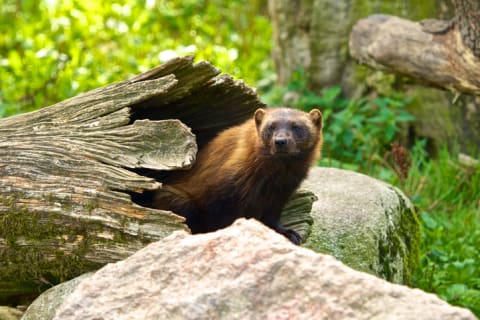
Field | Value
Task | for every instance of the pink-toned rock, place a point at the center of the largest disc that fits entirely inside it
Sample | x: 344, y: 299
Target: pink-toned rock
x: 245, y: 271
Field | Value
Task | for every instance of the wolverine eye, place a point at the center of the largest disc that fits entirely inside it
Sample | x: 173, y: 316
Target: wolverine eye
x: 271, y: 127
x: 267, y: 131
x: 298, y: 129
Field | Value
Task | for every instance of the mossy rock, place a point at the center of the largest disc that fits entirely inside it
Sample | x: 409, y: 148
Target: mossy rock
x: 369, y: 225
x: 8, y: 313
x: 45, y: 306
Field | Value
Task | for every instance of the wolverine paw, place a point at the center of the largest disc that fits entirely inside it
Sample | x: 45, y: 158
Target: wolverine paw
x: 293, y: 236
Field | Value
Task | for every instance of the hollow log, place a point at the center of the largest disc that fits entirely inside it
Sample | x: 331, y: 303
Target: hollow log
x: 69, y: 172
x: 431, y: 51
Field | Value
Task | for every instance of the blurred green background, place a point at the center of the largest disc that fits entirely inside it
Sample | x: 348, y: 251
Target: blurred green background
x: 52, y: 50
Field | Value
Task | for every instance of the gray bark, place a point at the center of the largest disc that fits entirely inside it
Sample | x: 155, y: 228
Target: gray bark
x: 468, y: 18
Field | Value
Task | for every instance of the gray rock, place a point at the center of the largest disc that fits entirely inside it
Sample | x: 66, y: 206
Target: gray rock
x: 246, y: 271
x: 367, y: 224
x: 45, y: 306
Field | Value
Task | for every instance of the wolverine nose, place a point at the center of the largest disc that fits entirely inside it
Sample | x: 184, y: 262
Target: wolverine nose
x: 280, y: 141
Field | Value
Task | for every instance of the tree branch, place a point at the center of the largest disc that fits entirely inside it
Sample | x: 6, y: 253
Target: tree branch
x: 433, y: 54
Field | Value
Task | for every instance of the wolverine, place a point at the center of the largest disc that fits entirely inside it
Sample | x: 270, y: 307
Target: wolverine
x: 249, y: 170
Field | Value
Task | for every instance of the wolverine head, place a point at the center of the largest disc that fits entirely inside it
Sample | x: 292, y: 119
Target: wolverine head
x: 289, y: 132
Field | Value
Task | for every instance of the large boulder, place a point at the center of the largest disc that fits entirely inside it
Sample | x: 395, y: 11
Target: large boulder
x: 369, y: 225
x: 246, y: 271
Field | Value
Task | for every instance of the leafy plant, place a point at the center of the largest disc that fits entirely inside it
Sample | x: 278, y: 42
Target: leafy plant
x: 447, y: 196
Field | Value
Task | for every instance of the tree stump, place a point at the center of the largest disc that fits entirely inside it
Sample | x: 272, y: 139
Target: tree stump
x: 69, y: 171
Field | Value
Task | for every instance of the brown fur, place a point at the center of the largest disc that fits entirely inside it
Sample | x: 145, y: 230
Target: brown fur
x: 249, y: 170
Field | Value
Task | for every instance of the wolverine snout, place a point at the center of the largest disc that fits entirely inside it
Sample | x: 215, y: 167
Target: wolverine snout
x: 283, y: 144
x: 280, y: 141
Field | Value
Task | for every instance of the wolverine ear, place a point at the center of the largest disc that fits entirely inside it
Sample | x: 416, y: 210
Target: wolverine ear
x: 258, y: 116
x: 316, y: 117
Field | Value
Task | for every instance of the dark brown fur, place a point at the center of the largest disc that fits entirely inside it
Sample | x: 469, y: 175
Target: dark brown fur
x: 248, y: 170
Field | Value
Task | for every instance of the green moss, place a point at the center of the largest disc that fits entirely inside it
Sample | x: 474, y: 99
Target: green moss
x: 389, y: 251
x: 407, y: 239
x: 91, y: 205
x: 404, y: 241
x: 387, y: 248
x: 354, y: 250
x: 410, y: 229
x: 8, y: 201
x: 35, y: 256
x: 44, y: 249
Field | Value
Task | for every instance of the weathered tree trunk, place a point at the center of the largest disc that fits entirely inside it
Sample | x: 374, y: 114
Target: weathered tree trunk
x: 468, y: 18
x: 68, y: 171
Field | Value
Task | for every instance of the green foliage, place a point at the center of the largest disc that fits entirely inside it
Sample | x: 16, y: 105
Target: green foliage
x: 357, y: 131
x: 448, y: 198
x: 52, y: 50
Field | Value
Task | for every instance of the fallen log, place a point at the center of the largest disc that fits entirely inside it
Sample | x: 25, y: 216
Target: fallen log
x: 69, y: 172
